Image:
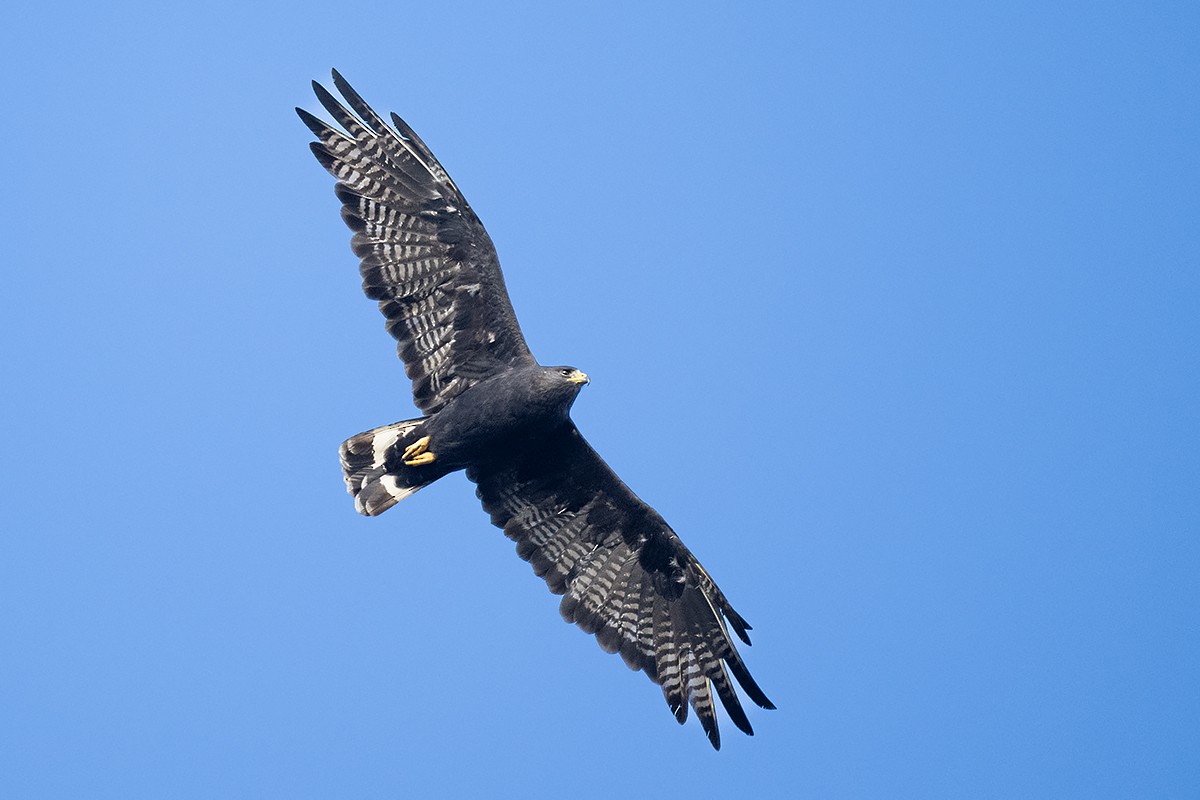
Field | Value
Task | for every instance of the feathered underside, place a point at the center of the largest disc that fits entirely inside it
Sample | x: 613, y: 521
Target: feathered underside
x: 425, y: 255
x: 623, y: 573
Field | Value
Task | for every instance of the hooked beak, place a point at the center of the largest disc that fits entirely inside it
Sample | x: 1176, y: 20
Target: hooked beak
x: 579, y: 377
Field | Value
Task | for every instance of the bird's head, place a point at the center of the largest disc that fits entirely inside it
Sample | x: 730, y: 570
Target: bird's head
x: 562, y: 382
x: 571, y: 375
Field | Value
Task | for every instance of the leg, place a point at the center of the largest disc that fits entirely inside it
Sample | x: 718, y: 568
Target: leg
x: 418, y: 453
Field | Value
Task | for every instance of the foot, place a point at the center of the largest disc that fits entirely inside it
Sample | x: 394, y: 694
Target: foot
x: 418, y: 453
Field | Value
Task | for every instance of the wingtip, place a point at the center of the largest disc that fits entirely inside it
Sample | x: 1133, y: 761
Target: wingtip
x: 739, y: 625
x: 708, y: 721
x: 342, y: 84
x: 313, y: 123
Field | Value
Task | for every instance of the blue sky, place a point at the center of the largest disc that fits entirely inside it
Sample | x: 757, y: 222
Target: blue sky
x: 890, y: 311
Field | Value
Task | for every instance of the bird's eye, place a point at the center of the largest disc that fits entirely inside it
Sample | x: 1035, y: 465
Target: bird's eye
x: 566, y: 373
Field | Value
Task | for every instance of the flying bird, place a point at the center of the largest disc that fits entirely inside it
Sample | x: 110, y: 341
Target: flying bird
x: 488, y: 407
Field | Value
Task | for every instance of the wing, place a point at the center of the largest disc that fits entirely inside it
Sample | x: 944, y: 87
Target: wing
x: 425, y: 255
x: 624, y: 574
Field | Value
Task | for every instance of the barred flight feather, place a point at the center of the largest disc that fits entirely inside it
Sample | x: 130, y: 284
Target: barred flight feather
x: 416, y: 234
x: 384, y: 149
x: 623, y: 573
x: 377, y: 221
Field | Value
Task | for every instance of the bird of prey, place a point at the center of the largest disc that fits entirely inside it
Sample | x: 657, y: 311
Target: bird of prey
x: 489, y: 408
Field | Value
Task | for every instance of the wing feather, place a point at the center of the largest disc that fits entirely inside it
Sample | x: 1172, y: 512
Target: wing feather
x: 623, y: 573
x: 425, y: 256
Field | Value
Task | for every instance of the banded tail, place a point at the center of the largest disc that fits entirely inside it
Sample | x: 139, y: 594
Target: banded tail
x: 374, y: 471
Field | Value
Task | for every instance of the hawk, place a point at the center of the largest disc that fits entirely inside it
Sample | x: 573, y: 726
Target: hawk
x: 488, y: 407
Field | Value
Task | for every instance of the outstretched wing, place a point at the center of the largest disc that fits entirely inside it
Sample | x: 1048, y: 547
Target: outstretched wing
x: 425, y: 255
x: 624, y: 574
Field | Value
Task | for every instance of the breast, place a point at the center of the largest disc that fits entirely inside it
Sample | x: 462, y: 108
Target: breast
x: 493, y: 418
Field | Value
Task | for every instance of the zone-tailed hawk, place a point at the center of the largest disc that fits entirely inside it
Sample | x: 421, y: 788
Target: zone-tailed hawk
x: 492, y: 410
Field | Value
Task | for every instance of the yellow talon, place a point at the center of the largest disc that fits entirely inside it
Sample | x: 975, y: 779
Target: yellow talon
x: 418, y: 453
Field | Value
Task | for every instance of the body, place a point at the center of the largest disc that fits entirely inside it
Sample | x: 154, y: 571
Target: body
x: 497, y: 418
x: 488, y: 407
x: 501, y: 414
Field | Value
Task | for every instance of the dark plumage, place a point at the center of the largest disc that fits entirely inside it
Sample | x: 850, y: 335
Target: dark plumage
x: 492, y: 410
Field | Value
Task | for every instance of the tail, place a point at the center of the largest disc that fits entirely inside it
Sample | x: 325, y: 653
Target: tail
x: 374, y: 471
